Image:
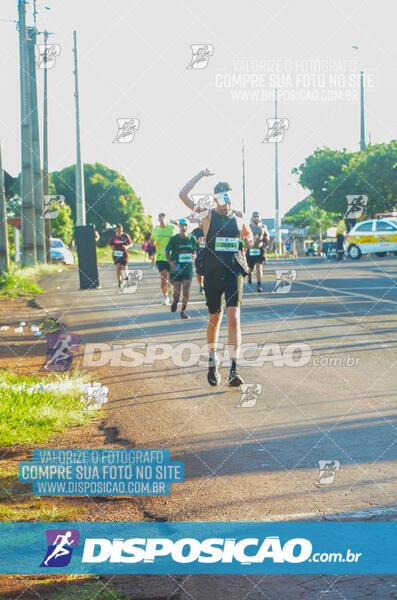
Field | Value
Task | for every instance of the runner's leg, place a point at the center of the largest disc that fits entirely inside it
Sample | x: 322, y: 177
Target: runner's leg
x: 176, y: 295
x: 164, y: 281
x: 214, y: 321
x: 234, y: 333
x: 259, y: 276
x: 185, y: 296
x: 118, y: 272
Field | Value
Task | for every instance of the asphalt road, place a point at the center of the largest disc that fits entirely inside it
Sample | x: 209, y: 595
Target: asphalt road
x: 250, y: 459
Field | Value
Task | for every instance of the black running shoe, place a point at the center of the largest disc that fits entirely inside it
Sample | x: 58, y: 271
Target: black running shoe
x: 184, y: 315
x: 259, y: 289
x: 234, y: 378
x: 213, y: 376
x: 249, y: 278
x: 173, y: 306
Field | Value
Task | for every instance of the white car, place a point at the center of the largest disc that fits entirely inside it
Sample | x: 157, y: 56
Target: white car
x: 60, y: 252
x: 377, y: 236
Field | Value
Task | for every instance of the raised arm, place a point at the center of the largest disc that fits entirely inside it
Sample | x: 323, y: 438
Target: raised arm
x: 183, y: 194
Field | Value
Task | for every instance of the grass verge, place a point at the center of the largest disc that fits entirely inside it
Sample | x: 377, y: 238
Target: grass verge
x: 36, y: 510
x: 105, y: 256
x: 22, y: 281
x: 34, y: 416
x: 88, y: 591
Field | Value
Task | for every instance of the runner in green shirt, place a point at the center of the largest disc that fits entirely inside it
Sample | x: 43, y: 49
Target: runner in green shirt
x: 180, y: 253
x: 160, y: 236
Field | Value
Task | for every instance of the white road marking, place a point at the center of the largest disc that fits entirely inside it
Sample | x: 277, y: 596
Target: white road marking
x: 355, y: 514
x: 335, y: 290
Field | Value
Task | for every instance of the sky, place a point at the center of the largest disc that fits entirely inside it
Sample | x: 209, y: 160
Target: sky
x: 135, y: 62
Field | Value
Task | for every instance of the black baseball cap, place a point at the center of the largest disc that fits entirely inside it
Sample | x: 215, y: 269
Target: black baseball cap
x: 222, y: 186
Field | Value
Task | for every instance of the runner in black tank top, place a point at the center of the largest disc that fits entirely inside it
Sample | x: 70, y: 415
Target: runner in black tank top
x: 224, y: 269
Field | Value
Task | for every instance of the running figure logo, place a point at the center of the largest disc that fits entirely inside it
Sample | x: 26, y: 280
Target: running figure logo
x: 46, y: 55
x: 59, y: 355
x: 284, y: 279
x: 201, y: 54
x: 276, y: 130
x: 327, y: 471
x: 355, y: 205
x: 126, y: 130
x: 59, y: 551
x: 249, y: 394
x: 129, y: 285
x: 51, y: 205
x: 202, y: 204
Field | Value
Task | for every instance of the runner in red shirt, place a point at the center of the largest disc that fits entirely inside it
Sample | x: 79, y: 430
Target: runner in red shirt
x: 120, y: 242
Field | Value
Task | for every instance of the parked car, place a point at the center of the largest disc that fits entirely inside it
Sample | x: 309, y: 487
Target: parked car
x: 60, y: 252
x: 376, y: 236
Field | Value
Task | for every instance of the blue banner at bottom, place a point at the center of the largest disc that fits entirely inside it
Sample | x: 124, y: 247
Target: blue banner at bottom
x: 191, y: 548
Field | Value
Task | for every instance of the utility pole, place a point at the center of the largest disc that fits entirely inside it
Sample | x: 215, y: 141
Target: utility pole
x: 243, y: 180
x: 4, y: 258
x: 362, y: 119
x: 80, y: 197
x: 47, y: 222
x: 28, y: 216
x: 37, y: 180
x: 277, y: 209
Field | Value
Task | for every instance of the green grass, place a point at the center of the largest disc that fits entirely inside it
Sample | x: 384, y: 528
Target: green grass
x: 88, y: 591
x: 31, y: 418
x: 36, y: 510
x: 22, y: 281
x: 104, y: 255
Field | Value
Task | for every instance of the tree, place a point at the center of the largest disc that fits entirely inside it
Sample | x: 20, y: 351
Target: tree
x: 62, y: 226
x: 372, y: 173
x: 316, y: 219
x: 318, y: 169
x: 331, y: 175
x: 109, y: 200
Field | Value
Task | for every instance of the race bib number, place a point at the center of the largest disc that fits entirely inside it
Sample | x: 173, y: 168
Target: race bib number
x: 185, y: 258
x: 118, y: 253
x: 254, y: 251
x: 201, y: 244
x: 227, y: 244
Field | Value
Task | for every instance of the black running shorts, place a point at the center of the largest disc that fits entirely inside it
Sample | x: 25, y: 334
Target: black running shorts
x: 225, y: 283
x: 257, y: 259
x: 180, y: 276
x: 163, y: 265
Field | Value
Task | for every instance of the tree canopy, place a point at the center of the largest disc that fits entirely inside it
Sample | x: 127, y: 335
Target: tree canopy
x: 109, y: 200
x: 306, y: 214
x: 331, y: 175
